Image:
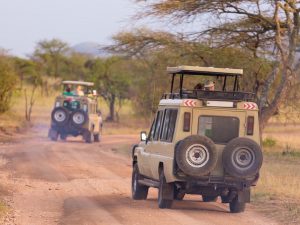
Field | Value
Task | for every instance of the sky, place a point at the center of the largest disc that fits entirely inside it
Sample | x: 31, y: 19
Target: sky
x: 25, y: 22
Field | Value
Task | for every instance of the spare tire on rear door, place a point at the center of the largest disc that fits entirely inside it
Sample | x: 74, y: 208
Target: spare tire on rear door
x: 196, y: 155
x: 60, y: 116
x: 78, y: 118
x: 242, y: 157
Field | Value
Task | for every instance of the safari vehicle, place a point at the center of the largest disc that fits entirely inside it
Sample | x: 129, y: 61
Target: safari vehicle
x: 76, y: 113
x: 201, y: 142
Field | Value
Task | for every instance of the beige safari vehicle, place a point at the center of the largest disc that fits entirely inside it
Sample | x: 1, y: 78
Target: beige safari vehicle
x: 202, y: 141
x: 76, y: 113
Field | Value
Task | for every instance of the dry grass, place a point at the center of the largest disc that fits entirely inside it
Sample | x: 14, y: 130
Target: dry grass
x: 277, y: 193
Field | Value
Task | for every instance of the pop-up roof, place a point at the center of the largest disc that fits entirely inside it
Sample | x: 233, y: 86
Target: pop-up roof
x: 206, y: 71
x: 89, y: 84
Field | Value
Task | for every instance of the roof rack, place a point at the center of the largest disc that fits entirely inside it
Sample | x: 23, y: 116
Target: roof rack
x: 206, y: 71
x: 83, y: 83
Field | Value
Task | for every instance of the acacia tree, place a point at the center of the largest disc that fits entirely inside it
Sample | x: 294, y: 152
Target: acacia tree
x: 152, y: 51
x: 51, y: 53
x: 111, y: 80
x: 267, y: 28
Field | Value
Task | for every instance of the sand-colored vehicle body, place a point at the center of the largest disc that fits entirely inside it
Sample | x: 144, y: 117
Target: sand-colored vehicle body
x: 226, y: 121
x: 75, y: 114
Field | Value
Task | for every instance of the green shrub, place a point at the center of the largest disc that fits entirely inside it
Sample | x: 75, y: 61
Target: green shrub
x: 8, y: 80
x: 269, y: 142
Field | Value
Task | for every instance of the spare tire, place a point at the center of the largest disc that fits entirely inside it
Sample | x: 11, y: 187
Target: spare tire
x: 242, y: 157
x: 60, y: 116
x: 78, y: 118
x: 196, y: 155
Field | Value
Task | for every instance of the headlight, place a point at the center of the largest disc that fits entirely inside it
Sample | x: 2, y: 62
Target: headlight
x: 57, y: 104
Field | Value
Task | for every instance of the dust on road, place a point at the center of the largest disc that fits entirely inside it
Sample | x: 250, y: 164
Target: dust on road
x: 76, y: 183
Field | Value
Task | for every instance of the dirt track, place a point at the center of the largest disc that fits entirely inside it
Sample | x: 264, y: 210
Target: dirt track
x: 76, y: 183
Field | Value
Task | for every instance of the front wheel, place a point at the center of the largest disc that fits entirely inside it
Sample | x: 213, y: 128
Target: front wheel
x: 165, y: 192
x: 236, y: 206
x: 88, y: 137
x: 139, y: 192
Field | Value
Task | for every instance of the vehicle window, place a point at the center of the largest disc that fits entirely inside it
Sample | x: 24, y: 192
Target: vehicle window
x: 151, y: 133
x: 158, y: 125
x: 169, y: 125
x: 220, y: 129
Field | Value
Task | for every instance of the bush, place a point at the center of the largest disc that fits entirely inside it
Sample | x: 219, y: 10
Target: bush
x: 269, y: 142
x: 8, y: 80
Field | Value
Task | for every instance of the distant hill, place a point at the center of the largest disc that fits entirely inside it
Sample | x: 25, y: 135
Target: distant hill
x: 89, y: 48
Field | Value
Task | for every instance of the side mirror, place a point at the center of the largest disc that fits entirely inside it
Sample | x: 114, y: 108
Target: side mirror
x: 143, y: 136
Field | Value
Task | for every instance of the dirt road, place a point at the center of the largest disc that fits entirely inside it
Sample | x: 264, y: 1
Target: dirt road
x: 76, y: 183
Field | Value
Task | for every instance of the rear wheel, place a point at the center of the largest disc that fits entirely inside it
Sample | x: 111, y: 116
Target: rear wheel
x: 88, y: 137
x: 178, y: 194
x: 139, y: 191
x: 165, y: 192
x: 53, y: 134
x: 236, y: 206
x: 63, y: 137
x: 97, y: 137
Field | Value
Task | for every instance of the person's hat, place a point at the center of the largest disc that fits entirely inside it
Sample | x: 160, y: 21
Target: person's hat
x: 209, y: 83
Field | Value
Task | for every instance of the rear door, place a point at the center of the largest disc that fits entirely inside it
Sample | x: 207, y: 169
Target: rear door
x: 221, y: 126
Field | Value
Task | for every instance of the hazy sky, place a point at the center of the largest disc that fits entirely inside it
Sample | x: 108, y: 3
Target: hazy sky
x: 24, y: 22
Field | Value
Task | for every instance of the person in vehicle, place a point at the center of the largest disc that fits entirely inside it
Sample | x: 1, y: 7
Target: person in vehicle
x: 79, y: 91
x: 209, y: 86
x: 199, y: 86
x: 67, y: 91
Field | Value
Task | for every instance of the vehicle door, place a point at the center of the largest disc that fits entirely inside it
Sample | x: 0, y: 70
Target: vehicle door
x: 163, y: 150
x: 221, y: 126
x: 150, y: 145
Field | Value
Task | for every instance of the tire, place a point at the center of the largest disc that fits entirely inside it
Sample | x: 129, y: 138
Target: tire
x: 178, y: 195
x: 97, y: 137
x: 63, y: 137
x: 88, y: 137
x: 138, y: 191
x: 236, y: 207
x: 165, y: 192
x: 196, y: 155
x: 208, y: 198
x: 60, y: 116
x: 242, y: 157
x: 78, y: 118
x: 53, y: 134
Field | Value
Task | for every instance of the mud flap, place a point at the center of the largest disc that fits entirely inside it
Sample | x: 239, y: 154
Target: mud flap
x: 244, y: 196
x: 168, y: 191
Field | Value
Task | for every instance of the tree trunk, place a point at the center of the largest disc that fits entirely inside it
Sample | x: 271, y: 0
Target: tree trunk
x: 111, y: 116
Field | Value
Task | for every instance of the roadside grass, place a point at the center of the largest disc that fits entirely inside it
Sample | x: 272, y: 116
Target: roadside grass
x: 277, y: 193
x: 4, y: 209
